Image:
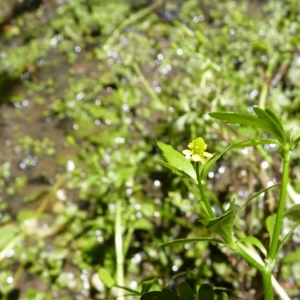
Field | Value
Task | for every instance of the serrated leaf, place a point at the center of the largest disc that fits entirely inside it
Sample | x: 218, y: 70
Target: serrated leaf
x: 177, y: 160
x: 223, y: 296
x: 206, y: 292
x: 191, y: 240
x: 256, y: 242
x: 293, y: 213
x: 106, y: 278
x: 185, y: 291
x: 270, y: 223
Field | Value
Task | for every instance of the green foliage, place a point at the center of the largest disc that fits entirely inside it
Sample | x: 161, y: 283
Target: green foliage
x: 205, y: 292
x: 87, y: 87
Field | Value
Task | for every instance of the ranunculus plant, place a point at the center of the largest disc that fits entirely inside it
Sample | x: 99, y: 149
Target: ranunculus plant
x: 194, y: 167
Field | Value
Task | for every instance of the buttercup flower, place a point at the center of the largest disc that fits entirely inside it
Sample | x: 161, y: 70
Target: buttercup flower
x: 197, y: 151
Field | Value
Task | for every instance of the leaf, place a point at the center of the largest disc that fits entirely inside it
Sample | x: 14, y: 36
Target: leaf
x: 265, y: 120
x: 146, y: 285
x: 155, y: 295
x: 106, y: 278
x: 256, y: 242
x: 223, y: 296
x: 206, y: 292
x: 223, y: 225
x: 271, y: 120
x: 185, y: 291
x: 169, y: 295
x: 191, y: 240
x: 270, y: 223
x: 293, y: 213
x: 7, y: 235
x: 177, y: 160
x: 291, y: 257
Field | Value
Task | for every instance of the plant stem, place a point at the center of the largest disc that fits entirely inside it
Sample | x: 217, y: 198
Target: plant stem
x: 267, y: 283
x: 203, y: 195
x: 281, y: 206
x: 119, y: 247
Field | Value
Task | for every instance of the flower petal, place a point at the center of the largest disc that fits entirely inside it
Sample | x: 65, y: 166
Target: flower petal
x: 206, y: 154
x: 197, y: 157
x: 187, y: 152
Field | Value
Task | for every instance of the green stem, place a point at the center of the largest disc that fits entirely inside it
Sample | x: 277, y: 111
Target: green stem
x: 268, y: 287
x: 281, y: 206
x: 203, y: 194
x: 119, y: 247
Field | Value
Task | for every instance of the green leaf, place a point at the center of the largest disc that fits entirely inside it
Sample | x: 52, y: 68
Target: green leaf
x: 206, y: 292
x: 270, y: 223
x: 293, y: 213
x: 185, y: 291
x: 106, y: 278
x: 256, y: 242
x: 223, y: 225
x: 223, y: 296
x: 265, y: 120
x: 155, y: 295
x: 169, y: 295
x: 291, y: 257
x: 191, y: 240
x: 177, y: 160
x: 7, y: 235
x: 146, y: 285
x: 271, y: 120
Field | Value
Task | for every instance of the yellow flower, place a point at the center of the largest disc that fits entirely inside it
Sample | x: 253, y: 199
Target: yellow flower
x: 197, y: 151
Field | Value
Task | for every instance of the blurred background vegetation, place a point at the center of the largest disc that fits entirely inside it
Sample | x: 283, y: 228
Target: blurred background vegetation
x: 86, y: 89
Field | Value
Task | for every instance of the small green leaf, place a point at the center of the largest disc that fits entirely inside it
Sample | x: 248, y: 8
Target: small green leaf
x: 256, y: 242
x: 191, y: 240
x: 270, y: 223
x: 293, y: 213
x: 223, y: 225
x: 146, y: 285
x: 7, y: 235
x: 223, y: 296
x: 206, y: 292
x: 291, y: 257
x: 185, y: 291
x: 155, y: 295
x: 169, y: 295
x: 177, y: 160
x: 106, y: 278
